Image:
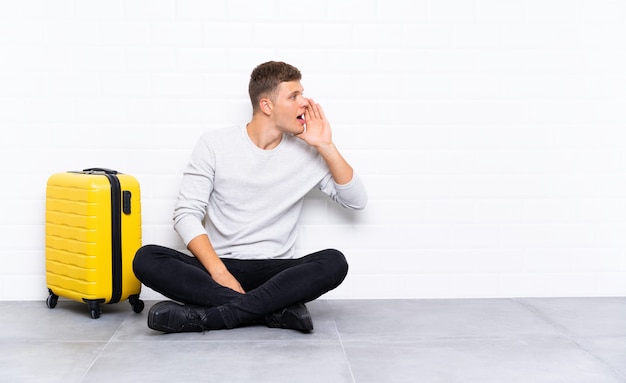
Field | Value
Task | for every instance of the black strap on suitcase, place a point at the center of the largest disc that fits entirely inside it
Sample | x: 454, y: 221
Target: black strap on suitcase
x: 117, y: 206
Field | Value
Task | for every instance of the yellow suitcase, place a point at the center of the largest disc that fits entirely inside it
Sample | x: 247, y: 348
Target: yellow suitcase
x: 93, y: 230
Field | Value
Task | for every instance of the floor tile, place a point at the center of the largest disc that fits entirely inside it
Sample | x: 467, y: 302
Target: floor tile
x: 611, y: 351
x: 222, y: 362
x: 434, y: 319
x: 538, y: 360
x: 36, y: 362
x: 34, y: 321
x: 583, y: 317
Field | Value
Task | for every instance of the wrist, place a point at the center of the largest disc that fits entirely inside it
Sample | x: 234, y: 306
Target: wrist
x: 217, y: 269
x: 325, y: 149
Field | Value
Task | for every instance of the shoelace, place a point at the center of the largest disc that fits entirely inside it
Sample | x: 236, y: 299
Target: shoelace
x: 275, y: 319
x: 196, y: 319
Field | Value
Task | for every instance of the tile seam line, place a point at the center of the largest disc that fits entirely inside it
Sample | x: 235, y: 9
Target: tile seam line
x: 106, y: 345
x: 341, y: 343
x: 569, y: 336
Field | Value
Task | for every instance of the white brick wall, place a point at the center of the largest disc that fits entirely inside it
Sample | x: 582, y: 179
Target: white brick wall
x: 490, y: 134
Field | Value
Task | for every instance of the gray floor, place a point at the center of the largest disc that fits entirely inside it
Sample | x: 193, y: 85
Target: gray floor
x: 482, y: 340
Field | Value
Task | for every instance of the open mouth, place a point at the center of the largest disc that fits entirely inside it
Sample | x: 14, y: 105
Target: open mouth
x: 301, y: 117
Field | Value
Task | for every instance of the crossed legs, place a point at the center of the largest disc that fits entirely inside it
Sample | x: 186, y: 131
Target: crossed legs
x: 271, y: 285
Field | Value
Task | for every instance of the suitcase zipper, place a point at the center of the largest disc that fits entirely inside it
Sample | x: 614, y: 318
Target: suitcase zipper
x: 116, y: 236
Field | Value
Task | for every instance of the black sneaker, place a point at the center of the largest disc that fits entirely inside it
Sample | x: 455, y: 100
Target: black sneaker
x: 168, y: 316
x: 294, y: 317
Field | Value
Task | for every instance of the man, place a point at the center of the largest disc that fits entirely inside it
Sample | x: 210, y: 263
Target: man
x: 237, y: 210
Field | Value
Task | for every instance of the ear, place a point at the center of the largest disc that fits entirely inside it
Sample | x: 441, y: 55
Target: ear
x: 266, y: 106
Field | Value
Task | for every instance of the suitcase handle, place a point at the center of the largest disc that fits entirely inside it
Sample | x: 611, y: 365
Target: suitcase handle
x: 104, y: 170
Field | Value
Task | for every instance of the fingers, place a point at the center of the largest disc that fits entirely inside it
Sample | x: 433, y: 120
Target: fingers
x: 321, y: 112
x: 314, y: 109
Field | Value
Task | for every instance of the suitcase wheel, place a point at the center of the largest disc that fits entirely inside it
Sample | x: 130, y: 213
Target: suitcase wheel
x: 137, y: 303
x: 52, y: 300
x: 94, y: 309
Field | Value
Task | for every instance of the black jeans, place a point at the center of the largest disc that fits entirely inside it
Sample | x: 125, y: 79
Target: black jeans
x: 270, y: 285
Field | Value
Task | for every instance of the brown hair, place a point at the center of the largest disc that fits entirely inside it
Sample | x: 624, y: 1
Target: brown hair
x: 266, y: 77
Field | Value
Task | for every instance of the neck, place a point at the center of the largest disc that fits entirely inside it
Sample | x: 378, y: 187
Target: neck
x: 263, y: 134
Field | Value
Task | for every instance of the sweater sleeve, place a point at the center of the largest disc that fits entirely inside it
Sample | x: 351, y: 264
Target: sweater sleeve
x: 351, y: 195
x: 195, y: 189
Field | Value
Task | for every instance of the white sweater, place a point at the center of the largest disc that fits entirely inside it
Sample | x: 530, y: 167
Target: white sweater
x: 248, y: 200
